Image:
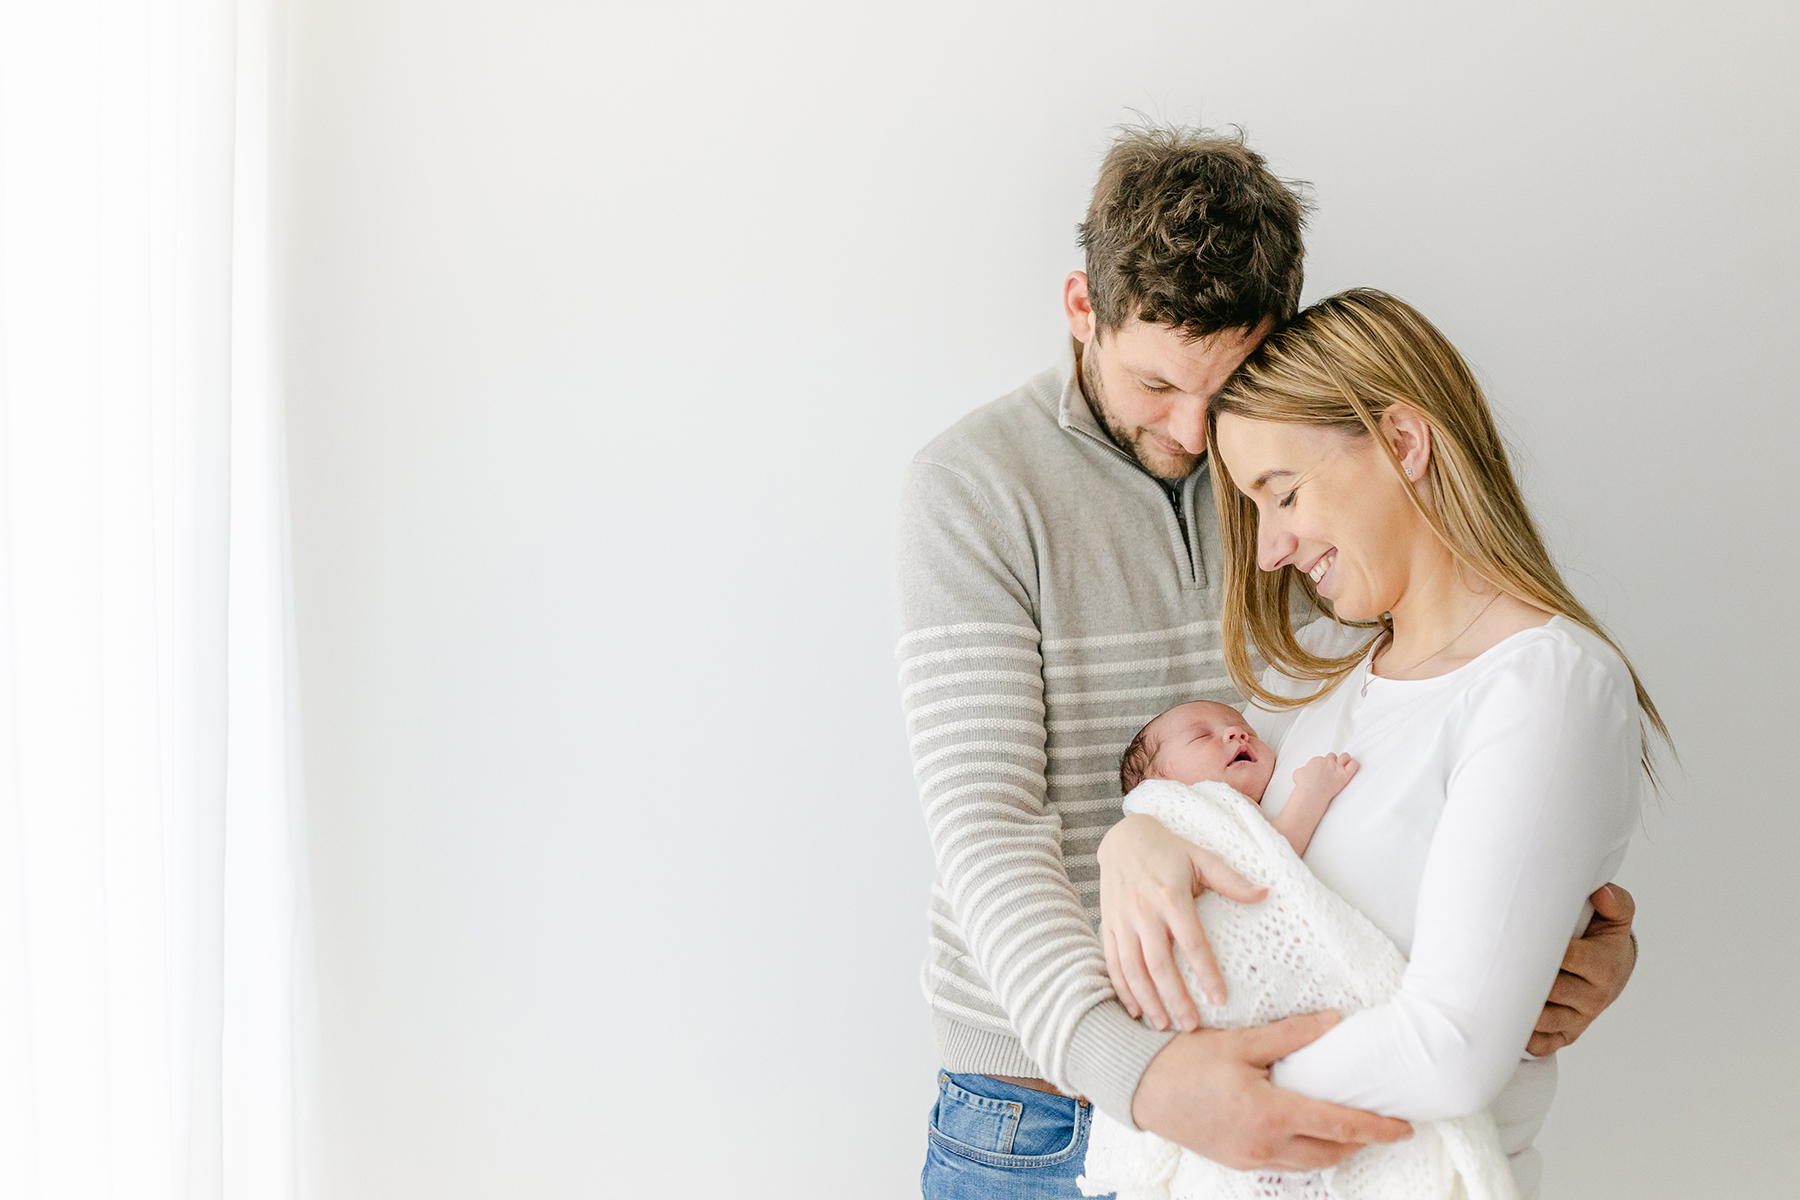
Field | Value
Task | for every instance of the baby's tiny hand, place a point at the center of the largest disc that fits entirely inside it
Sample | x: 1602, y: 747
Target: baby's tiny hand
x: 1326, y: 775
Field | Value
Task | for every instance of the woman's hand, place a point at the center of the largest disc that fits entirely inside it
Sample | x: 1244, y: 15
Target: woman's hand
x: 1148, y: 881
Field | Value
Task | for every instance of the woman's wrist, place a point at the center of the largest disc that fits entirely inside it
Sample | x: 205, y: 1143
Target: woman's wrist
x: 1128, y: 832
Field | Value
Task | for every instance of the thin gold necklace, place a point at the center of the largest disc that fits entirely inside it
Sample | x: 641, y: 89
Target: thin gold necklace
x: 1371, y: 675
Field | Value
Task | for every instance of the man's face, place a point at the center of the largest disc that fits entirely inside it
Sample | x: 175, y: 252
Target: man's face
x: 1149, y: 384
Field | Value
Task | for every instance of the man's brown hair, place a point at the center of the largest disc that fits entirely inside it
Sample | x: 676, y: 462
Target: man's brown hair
x: 1188, y: 228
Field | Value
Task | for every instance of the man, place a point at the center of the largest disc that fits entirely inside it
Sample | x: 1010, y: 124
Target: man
x: 1059, y: 586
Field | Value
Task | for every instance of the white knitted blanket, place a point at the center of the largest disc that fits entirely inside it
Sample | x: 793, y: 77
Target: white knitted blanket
x: 1301, y: 949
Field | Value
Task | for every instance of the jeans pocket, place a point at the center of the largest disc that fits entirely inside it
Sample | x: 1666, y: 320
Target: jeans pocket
x: 975, y: 1122
x: 988, y: 1130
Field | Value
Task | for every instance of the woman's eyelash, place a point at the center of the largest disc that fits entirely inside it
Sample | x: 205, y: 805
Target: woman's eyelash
x: 1289, y: 498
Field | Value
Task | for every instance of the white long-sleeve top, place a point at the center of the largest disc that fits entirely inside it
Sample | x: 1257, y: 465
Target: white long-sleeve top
x: 1490, y: 802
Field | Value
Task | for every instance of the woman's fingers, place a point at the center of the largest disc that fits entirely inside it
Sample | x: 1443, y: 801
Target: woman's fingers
x: 1190, y: 935
x: 1172, y: 989
x: 1137, y: 979
x: 1117, y: 975
x: 1206, y: 971
x: 1148, y: 881
x: 1211, y: 872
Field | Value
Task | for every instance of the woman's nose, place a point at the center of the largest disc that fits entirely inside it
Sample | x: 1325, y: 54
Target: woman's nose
x: 1273, y: 547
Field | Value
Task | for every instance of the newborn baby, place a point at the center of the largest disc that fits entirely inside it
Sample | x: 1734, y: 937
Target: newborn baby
x: 1209, y: 741
x: 1200, y: 770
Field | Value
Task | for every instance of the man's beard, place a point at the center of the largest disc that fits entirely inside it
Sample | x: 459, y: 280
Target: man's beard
x: 1133, y: 440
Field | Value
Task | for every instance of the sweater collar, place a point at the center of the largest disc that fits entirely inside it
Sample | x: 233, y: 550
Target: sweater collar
x: 1073, y: 413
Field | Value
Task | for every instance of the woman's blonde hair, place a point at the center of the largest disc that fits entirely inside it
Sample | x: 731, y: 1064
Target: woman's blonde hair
x: 1341, y: 364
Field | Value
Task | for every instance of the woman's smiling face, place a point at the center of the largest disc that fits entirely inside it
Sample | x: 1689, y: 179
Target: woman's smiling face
x: 1328, y: 503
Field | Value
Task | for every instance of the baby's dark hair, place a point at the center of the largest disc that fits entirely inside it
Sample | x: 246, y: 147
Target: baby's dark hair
x: 1134, y: 764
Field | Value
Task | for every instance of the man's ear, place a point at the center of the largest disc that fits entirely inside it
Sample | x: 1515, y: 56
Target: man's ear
x: 1409, y: 434
x: 1078, y: 308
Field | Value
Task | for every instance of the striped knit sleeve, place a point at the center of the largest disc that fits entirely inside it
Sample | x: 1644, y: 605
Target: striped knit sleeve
x: 1012, y: 940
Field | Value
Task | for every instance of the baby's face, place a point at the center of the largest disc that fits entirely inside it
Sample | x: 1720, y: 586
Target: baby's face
x: 1204, y: 740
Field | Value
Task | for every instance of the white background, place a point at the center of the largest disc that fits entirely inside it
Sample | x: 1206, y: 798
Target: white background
x: 611, y: 328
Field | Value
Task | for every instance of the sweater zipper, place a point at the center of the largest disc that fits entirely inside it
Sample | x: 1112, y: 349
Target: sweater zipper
x: 1174, y: 496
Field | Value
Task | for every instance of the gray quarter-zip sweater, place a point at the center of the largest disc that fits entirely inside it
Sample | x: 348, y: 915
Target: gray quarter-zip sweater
x: 1053, y: 598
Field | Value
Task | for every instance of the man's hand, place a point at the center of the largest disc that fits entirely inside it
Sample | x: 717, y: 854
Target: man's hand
x: 1148, y: 881
x: 1210, y: 1091
x: 1593, y: 972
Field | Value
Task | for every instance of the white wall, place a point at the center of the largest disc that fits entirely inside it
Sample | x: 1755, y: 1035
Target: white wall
x: 611, y: 329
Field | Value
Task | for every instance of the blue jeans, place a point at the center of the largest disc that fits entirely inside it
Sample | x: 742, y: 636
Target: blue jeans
x: 997, y: 1141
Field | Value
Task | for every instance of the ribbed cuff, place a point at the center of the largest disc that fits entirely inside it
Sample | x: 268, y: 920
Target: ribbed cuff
x: 1107, y: 1056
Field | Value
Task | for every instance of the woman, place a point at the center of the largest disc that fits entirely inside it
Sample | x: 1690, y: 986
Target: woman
x: 1499, y: 729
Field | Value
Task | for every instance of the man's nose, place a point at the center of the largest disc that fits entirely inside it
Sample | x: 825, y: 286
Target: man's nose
x: 1187, y: 425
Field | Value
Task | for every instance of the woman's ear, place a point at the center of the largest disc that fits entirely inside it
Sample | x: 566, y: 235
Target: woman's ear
x: 1409, y: 434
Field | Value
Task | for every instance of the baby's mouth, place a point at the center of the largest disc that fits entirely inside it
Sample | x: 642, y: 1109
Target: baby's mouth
x: 1243, y: 755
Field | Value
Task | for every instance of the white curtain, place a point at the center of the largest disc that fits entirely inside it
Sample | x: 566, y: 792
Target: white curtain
x: 154, y: 967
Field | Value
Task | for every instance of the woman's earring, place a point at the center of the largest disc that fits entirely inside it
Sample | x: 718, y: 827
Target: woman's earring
x: 1408, y: 471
